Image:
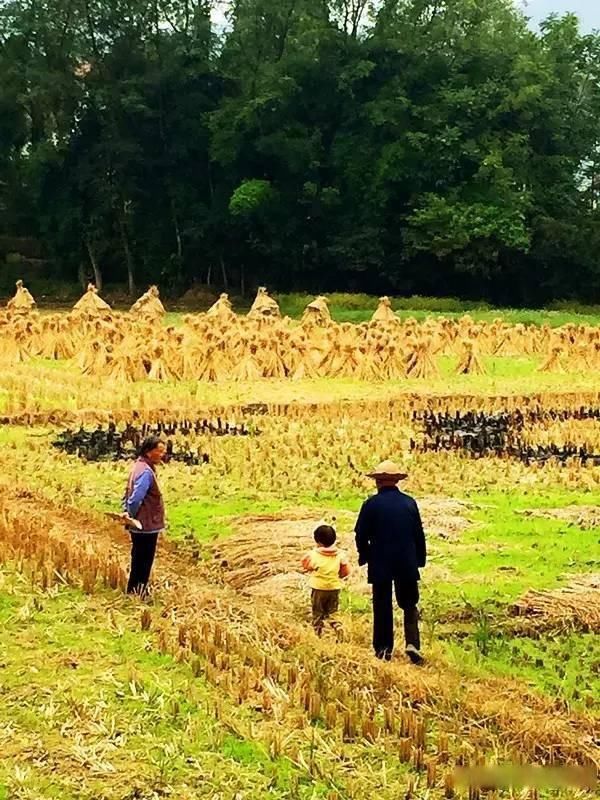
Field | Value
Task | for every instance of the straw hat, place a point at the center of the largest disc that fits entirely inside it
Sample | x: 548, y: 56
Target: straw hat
x: 388, y: 469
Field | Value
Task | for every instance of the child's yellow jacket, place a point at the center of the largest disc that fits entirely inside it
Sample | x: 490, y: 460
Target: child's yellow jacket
x: 327, y: 567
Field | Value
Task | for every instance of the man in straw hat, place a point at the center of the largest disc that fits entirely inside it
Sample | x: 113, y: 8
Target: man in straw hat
x: 391, y: 541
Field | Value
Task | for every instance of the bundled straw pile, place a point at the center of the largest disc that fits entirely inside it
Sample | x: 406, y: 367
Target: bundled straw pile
x: 220, y: 345
x: 22, y: 302
x: 576, y: 605
x: 149, y: 305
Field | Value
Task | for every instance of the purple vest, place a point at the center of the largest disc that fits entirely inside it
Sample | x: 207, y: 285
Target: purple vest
x: 152, y: 511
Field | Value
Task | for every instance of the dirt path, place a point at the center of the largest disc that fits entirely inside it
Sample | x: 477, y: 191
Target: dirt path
x: 235, y: 635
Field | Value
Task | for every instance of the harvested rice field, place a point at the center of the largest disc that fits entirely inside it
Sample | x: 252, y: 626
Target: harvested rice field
x: 218, y: 687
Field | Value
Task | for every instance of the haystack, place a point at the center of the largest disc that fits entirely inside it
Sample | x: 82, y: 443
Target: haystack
x: 93, y: 359
x: 125, y: 365
x: 300, y: 363
x: 222, y: 309
x: 91, y: 303
x: 15, y: 349
x: 470, y: 362
x: 349, y: 360
x: 149, y: 305
x: 389, y: 360
x: 264, y: 306
x: 192, y: 354
x: 420, y: 362
x: 369, y: 359
x: 161, y: 368
x: 554, y: 361
x: 22, y: 302
x: 575, y: 605
x: 50, y: 345
x: 384, y: 312
x: 214, y: 366
x: 317, y: 312
x: 248, y: 367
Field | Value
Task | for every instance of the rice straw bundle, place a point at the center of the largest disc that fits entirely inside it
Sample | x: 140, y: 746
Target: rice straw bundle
x: 149, y: 305
x: 554, y: 362
x: 576, y: 604
x: 91, y: 303
x: 221, y: 310
x: 264, y: 306
x: 384, y: 312
x: 316, y: 313
x: 470, y: 361
x: 419, y: 362
x: 22, y: 302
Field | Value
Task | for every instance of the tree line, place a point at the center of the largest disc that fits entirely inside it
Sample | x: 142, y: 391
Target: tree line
x: 399, y: 146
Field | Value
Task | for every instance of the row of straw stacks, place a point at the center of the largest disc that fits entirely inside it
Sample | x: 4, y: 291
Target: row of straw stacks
x: 221, y: 345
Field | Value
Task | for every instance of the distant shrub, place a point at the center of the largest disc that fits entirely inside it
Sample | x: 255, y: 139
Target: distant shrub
x: 574, y: 307
x: 198, y: 297
x: 12, y: 259
x: 449, y: 305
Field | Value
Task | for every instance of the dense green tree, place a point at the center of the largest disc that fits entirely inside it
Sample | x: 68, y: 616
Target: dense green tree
x: 397, y: 145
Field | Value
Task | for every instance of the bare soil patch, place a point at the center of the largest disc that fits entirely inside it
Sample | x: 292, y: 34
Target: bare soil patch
x: 444, y: 517
x: 583, y: 517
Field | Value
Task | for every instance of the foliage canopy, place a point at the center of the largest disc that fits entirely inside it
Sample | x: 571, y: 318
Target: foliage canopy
x: 405, y: 146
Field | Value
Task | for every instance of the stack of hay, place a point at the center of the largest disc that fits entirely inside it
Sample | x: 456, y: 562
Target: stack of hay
x: 316, y: 313
x: 264, y: 306
x: 149, y: 305
x: 91, y: 304
x: 577, y: 604
x: 384, y: 312
x: 22, y: 302
x: 470, y: 362
x: 222, y: 310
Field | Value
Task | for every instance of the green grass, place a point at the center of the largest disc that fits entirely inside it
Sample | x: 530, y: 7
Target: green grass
x: 89, y: 711
x: 210, y: 519
x: 494, y: 563
x: 359, y: 308
x: 565, y: 667
x: 506, y: 552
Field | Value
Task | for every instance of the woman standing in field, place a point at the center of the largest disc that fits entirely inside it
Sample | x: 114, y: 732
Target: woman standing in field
x: 143, y: 505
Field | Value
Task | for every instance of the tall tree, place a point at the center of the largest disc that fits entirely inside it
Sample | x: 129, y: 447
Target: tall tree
x: 384, y: 145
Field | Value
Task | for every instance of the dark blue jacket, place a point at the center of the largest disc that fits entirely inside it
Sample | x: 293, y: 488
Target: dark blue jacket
x: 390, y: 537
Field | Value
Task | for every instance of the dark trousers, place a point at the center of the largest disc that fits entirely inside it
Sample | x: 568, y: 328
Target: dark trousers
x: 325, y: 605
x: 407, y: 597
x: 143, y: 549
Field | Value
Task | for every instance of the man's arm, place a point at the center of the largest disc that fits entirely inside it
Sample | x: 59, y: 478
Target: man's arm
x: 420, y: 539
x: 363, y: 535
x: 141, y: 487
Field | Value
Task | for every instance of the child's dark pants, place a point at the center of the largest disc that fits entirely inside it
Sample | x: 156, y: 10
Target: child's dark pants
x: 325, y: 605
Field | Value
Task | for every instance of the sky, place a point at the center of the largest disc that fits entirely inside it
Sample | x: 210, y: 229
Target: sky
x: 588, y: 11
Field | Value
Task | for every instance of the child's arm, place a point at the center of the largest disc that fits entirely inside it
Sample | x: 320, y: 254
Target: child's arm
x: 307, y: 564
x: 344, y: 567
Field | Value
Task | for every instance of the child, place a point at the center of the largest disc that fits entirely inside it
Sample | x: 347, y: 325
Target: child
x: 327, y: 566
